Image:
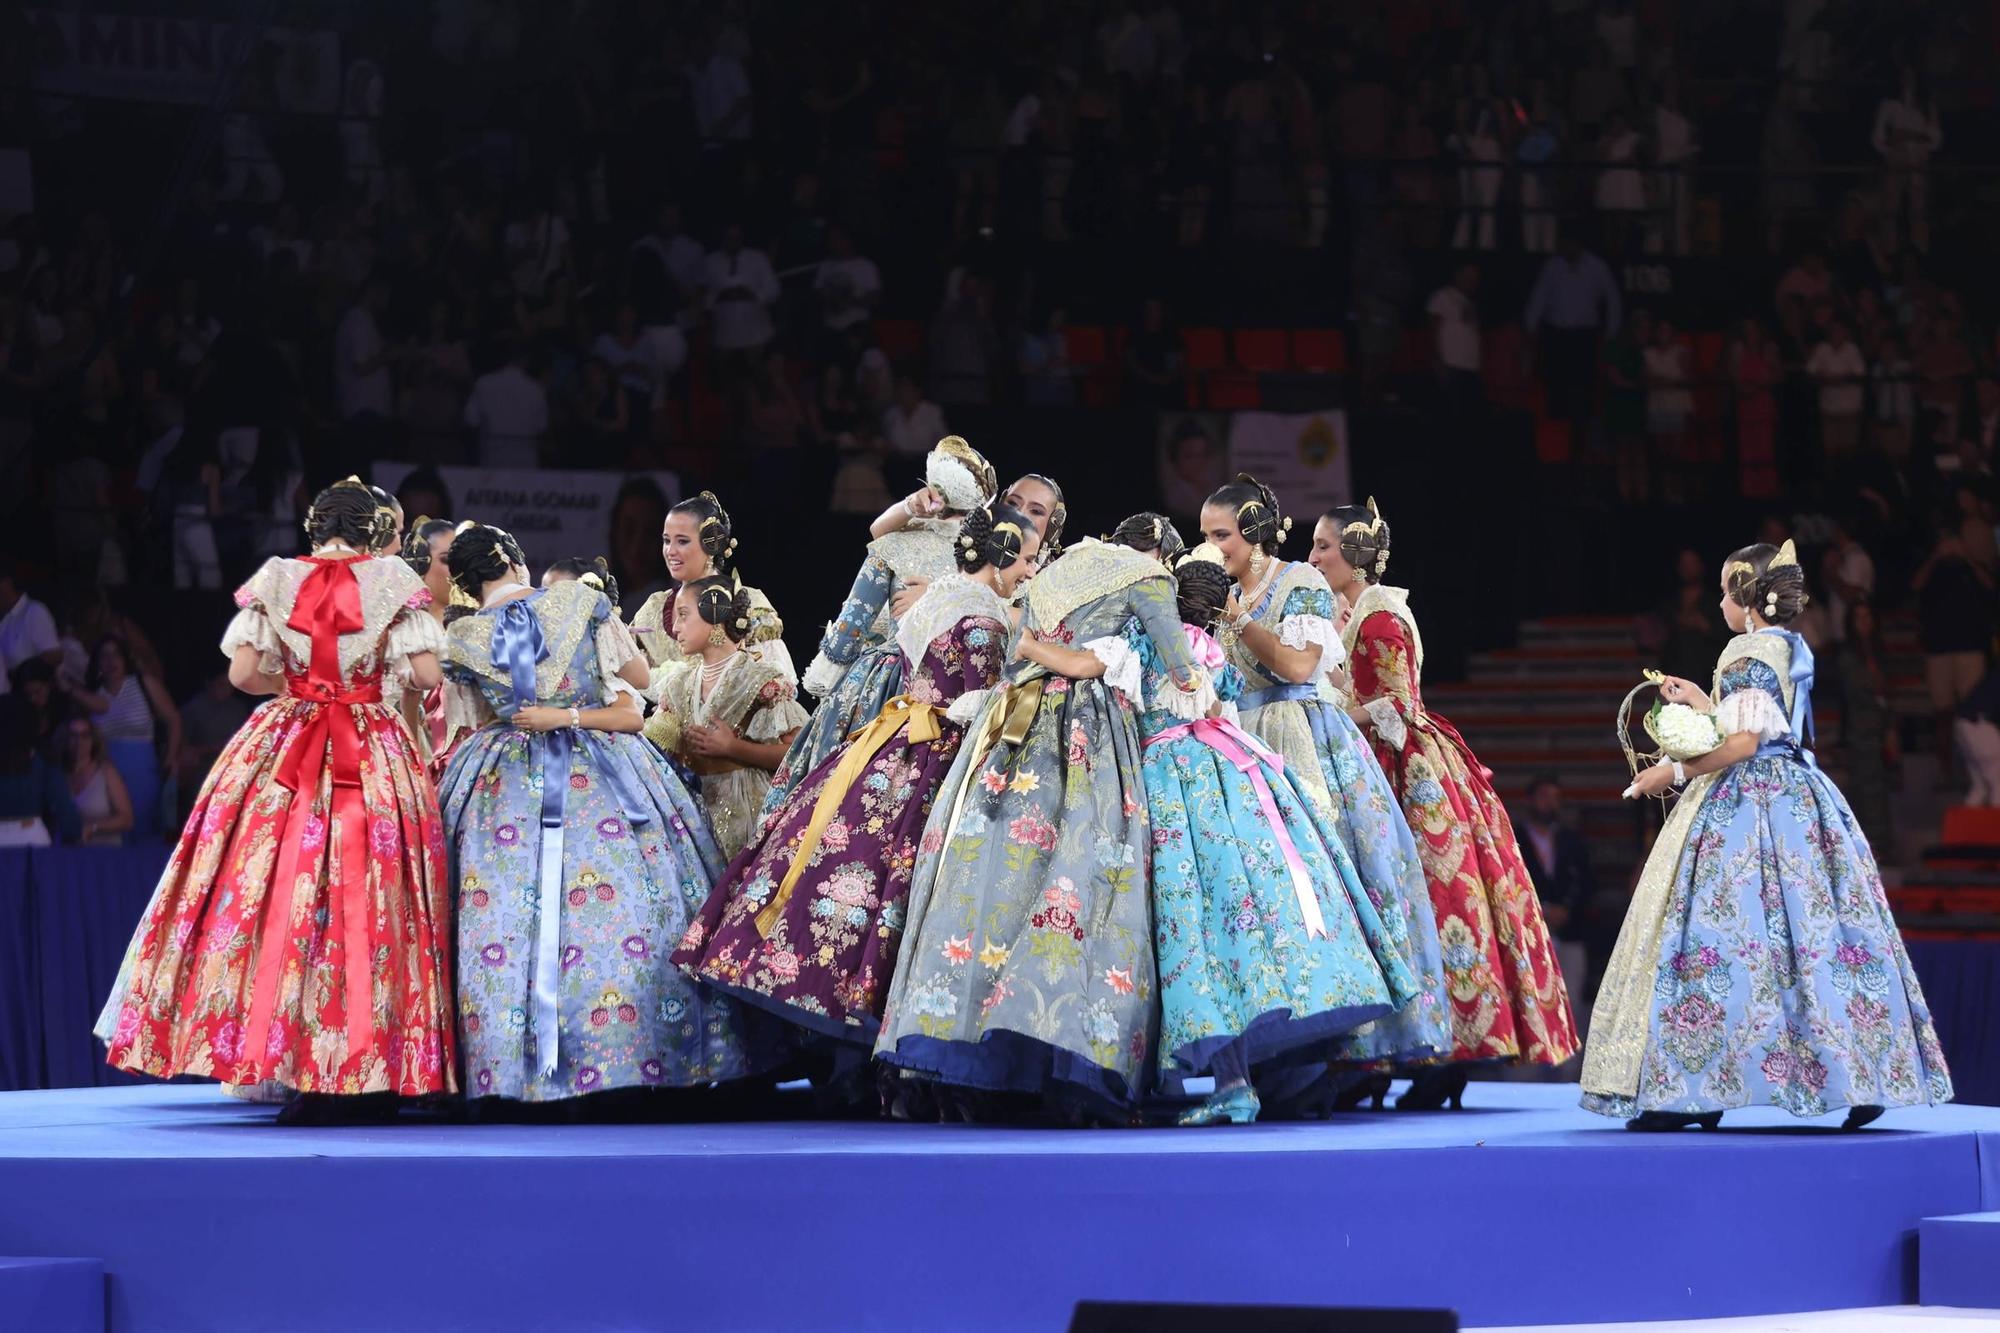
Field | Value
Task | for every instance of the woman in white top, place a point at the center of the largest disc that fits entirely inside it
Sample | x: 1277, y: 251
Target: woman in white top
x: 94, y: 784
x: 128, y: 708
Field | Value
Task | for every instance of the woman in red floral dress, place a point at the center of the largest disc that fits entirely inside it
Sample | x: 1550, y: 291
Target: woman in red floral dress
x: 301, y: 933
x: 1507, y: 996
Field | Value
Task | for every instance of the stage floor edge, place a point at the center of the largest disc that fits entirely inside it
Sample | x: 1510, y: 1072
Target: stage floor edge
x: 1520, y: 1210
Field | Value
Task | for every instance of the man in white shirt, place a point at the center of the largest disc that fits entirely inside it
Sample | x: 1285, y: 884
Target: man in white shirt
x: 1849, y: 576
x: 510, y: 410
x: 1455, y: 333
x: 27, y: 630
x: 741, y: 291
x: 1842, y: 374
x: 360, y: 358
x: 913, y: 424
x: 848, y: 285
x: 720, y: 91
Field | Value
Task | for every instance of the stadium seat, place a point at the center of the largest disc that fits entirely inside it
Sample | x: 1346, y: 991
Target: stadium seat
x: 1234, y: 391
x: 1319, y: 351
x: 1204, y: 350
x: 1262, y: 351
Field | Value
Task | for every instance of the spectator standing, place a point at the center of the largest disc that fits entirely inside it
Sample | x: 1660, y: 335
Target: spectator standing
x: 1455, y: 337
x: 913, y: 424
x: 1755, y: 370
x: 35, y: 805
x: 1978, y: 732
x: 634, y: 358
x: 1476, y: 144
x: 1669, y: 401
x: 1537, y: 152
x: 849, y: 287
x: 27, y: 629
x: 1842, y: 373
x: 1558, y: 862
x: 1046, y: 377
x: 94, y: 785
x: 1676, y: 146
x: 1906, y: 133
x: 741, y: 290
x: 363, y: 389
x: 440, y: 373
x: 1892, y: 378
x: 665, y: 271
x: 1955, y: 627
x: 720, y: 92
x: 209, y: 720
x: 1848, y: 576
x: 1621, y: 188
x: 509, y: 412
x: 1574, y: 301
x: 129, y: 709
x: 965, y: 348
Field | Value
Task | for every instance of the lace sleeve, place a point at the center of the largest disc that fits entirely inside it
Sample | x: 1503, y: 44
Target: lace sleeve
x: 615, y: 648
x: 1752, y: 710
x: 1387, y: 720
x: 251, y: 628
x: 1123, y: 671
x: 411, y: 633
x: 777, y: 715
x: 967, y: 707
x: 1302, y: 631
x: 465, y: 710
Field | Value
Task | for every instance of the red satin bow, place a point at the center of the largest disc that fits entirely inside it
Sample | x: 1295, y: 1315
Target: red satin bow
x: 328, y: 606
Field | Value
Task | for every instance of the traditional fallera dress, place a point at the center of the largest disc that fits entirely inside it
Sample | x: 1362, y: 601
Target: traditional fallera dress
x: 1759, y: 963
x: 809, y: 919
x: 859, y: 667
x: 1264, y: 936
x: 579, y: 858
x: 653, y: 627
x: 1028, y: 959
x: 751, y: 696
x: 1332, y: 763
x: 301, y: 933
x: 1507, y: 994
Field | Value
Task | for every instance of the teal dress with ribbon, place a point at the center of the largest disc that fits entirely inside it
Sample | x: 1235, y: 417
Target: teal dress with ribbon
x: 578, y: 859
x: 1759, y: 964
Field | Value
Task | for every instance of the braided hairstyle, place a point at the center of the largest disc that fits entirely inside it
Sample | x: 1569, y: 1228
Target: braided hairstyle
x: 1768, y: 580
x: 481, y: 555
x: 595, y: 573
x: 1152, y: 533
x: 1058, y: 514
x: 714, y: 533
x: 417, y: 543
x: 1255, y: 506
x: 719, y: 602
x: 1201, y: 590
x: 354, y: 512
x: 992, y: 535
x: 1364, y: 539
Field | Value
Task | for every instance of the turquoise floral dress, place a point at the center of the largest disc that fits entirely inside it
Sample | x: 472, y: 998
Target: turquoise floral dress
x: 1262, y: 931
x: 578, y: 859
x: 1336, y: 767
x: 859, y: 667
x: 1027, y: 957
x: 1759, y: 963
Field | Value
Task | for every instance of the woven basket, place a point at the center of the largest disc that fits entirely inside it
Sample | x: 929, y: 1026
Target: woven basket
x: 1635, y: 758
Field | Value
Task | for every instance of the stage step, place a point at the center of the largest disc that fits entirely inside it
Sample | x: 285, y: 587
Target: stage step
x: 1958, y: 1260
x: 52, y: 1295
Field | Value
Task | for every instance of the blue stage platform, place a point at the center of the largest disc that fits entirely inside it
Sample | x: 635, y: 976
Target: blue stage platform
x: 1519, y: 1210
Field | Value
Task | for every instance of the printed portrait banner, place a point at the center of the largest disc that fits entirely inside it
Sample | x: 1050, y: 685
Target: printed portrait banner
x: 554, y: 514
x: 1303, y: 456
x: 153, y: 58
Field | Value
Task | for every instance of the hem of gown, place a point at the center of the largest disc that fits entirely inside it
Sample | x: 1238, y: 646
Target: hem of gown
x: 245, y: 1077
x: 1272, y: 1037
x: 826, y: 1025
x: 534, y: 1096
x: 1006, y: 1061
x: 1620, y: 1107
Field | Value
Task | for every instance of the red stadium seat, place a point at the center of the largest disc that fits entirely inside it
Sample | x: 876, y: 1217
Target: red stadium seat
x: 1320, y: 351
x: 1233, y: 391
x: 1204, y: 350
x: 1088, y: 347
x: 1262, y: 351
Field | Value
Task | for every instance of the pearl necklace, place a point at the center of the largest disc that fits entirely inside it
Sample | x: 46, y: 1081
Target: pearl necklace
x: 711, y: 672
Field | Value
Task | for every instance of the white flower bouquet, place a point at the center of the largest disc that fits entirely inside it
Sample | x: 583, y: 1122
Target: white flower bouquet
x: 1681, y: 732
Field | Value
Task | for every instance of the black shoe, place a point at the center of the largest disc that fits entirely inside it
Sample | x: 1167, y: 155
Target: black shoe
x: 1661, y: 1122
x: 1370, y: 1088
x: 325, y: 1108
x: 1434, y: 1089
x: 1857, y: 1116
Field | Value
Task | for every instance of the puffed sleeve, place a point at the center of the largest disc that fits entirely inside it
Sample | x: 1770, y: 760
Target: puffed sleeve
x: 1306, y: 621
x: 412, y: 632
x: 846, y: 633
x: 777, y: 714
x: 1755, y: 707
x: 252, y: 625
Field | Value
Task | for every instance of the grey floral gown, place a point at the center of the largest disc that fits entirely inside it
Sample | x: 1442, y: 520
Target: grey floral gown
x: 1028, y: 954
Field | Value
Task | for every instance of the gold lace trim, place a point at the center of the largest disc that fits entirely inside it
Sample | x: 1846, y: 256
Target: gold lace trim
x: 946, y: 602
x: 565, y: 612
x: 1084, y: 573
x: 387, y: 588
x: 1396, y: 602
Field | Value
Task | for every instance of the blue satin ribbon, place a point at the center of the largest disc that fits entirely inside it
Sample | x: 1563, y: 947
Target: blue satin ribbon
x: 1796, y: 745
x: 1301, y: 694
x: 519, y: 647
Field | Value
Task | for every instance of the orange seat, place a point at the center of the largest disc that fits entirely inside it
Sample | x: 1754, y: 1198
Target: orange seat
x: 1262, y: 350
x: 1204, y: 350
x: 1321, y: 351
x: 1087, y: 345
x: 1970, y: 825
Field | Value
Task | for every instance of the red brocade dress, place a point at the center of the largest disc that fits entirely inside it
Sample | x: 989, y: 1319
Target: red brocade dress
x: 1507, y: 996
x: 301, y: 933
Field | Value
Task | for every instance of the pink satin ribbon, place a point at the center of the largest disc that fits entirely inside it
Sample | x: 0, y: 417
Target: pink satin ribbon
x: 1249, y: 755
